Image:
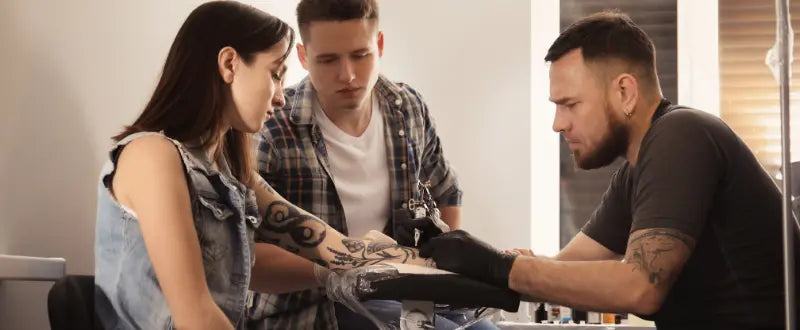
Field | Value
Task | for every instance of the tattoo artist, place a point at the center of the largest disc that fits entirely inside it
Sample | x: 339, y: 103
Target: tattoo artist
x: 688, y: 233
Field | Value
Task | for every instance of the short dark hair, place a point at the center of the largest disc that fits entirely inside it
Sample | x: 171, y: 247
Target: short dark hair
x: 309, y: 11
x: 607, y: 35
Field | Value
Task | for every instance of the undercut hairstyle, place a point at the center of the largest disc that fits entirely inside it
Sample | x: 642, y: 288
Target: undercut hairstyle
x: 609, y: 36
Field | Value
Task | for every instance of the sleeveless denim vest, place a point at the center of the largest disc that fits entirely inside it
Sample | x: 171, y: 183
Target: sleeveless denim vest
x: 127, y: 294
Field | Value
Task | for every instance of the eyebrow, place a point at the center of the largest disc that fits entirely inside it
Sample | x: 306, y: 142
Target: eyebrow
x: 327, y: 55
x: 562, y: 100
x: 335, y: 55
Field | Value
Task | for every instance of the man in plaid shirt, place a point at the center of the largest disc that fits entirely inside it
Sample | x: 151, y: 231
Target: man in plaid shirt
x: 350, y: 147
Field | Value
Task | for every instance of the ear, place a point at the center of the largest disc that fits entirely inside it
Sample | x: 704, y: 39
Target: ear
x: 301, y: 55
x: 227, y: 60
x: 380, y: 43
x: 626, y: 90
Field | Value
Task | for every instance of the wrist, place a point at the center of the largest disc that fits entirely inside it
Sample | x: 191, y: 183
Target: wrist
x: 502, y: 269
x: 321, y: 275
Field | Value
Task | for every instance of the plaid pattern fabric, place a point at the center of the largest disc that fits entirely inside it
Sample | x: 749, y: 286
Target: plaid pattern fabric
x: 292, y: 158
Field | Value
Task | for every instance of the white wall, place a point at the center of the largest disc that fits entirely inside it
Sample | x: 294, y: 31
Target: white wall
x: 473, y: 68
x: 545, y: 172
x: 698, y: 71
x: 76, y: 71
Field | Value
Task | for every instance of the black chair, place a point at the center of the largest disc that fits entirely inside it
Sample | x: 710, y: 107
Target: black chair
x: 70, y: 303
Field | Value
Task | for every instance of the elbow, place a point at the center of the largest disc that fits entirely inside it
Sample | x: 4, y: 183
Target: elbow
x: 646, y: 300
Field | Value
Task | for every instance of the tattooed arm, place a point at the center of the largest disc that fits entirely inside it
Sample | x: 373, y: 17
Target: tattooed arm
x: 637, y: 284
x: 302, y: 233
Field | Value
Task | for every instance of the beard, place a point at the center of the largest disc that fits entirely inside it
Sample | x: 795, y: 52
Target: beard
x: 613, y: 144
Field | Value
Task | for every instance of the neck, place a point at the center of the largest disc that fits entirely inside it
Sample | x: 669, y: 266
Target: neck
x: 638, y: 126
x: 213, y: 150
x: 352, y: 121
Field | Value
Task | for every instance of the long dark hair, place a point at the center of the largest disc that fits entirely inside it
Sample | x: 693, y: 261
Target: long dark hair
x: 190, y: 97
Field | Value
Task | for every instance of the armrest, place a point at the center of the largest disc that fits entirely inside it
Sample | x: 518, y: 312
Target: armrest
x: 24, y: 268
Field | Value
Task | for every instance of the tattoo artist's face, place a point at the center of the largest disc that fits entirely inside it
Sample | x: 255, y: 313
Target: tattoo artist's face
x: 583, y: 114
x: 342, y: 60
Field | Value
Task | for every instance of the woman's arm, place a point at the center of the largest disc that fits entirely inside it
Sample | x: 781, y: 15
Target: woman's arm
x: 150, y: 181
x: 302, y: 233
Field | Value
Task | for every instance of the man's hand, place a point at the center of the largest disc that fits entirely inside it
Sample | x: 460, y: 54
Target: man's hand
x: 459, y: 252
x: 428, y: 228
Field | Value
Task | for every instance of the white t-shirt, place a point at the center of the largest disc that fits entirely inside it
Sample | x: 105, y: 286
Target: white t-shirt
x: 360, y: 171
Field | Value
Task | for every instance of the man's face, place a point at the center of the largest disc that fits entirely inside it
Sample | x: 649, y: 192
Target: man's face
x: 584, y: 116
x: 342, y: 60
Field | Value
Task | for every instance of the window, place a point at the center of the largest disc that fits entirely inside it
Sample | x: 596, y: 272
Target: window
x: 749, y: 94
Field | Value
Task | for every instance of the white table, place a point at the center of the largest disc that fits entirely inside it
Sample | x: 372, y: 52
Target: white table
x: 505, y: 325
x: 23, y: 268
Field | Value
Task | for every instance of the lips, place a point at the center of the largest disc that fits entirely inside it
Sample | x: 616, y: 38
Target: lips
x: 572, y: 143
x: 348, y: 90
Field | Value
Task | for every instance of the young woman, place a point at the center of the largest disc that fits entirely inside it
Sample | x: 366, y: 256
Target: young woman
x: 179, y: 200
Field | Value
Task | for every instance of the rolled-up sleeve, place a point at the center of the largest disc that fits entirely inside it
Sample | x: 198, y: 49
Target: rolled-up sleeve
x: 435, y: 167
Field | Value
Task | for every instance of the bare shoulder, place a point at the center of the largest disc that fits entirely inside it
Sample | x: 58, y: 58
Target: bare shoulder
x: 144, y: 161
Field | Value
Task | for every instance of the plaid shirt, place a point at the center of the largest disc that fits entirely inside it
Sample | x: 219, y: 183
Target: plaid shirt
x: 293, y: 159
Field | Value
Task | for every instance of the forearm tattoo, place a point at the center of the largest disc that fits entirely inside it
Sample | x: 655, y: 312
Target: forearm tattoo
x: 286, y: 226
x: 653, y: 253
x: 365, y: 253
x: 303, y: 230
x: 266, y: 186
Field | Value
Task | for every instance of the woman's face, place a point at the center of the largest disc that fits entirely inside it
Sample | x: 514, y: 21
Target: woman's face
x: 256, y: 88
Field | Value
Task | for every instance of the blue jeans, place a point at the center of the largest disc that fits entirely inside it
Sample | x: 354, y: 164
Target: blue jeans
x: 388, y: 311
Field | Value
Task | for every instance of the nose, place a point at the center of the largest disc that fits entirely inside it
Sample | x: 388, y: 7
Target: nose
x: 346, y: 72
x: 560, y: 123
x: 278, y: 99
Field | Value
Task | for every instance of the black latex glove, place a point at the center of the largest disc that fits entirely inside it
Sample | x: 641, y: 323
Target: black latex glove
x: 404, y: 229
x: 425, y: 225
x: 459, y: 252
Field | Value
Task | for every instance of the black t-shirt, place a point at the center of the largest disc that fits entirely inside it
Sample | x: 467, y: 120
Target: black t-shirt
x: 695, y: 175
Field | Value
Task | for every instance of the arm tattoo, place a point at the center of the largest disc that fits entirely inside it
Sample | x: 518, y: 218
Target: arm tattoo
x: 284, y: 218
x: 267, y: 187
x: 360, y: 253
x: 653, y: 252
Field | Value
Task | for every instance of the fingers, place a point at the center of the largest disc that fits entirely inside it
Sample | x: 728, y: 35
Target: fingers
x: 525, y: 252
x: 520, y: 252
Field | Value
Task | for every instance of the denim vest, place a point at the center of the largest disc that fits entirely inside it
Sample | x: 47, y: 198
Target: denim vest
x: 225, y: 213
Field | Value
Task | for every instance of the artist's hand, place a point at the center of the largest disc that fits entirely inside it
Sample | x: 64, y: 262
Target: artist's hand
x: 459, y: 252
x: 427, y: 226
